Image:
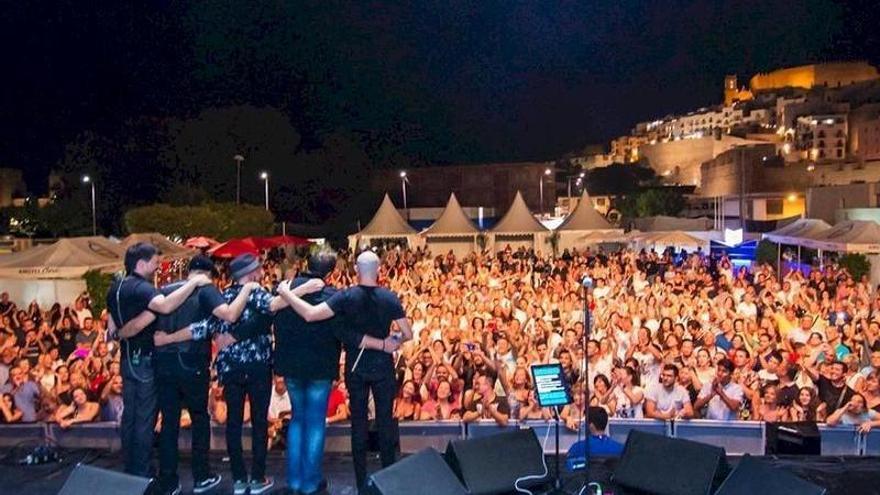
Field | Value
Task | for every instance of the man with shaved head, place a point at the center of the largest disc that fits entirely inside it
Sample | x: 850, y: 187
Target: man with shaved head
x: 367, y: 311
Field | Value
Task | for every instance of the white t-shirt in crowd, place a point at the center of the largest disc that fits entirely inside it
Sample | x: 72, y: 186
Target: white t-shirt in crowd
x: 278, y: 404
x: 625, y: 407
x: 718, y: 410
x: 667, y: 400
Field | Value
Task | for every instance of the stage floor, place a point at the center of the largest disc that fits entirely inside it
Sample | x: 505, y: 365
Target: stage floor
x: 840, y: 475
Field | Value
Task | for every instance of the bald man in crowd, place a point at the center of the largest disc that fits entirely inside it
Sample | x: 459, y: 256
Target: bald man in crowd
x: 367, y: 311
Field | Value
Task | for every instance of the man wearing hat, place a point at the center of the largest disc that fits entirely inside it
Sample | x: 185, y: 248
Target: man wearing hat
x: 244, y: 367
x: 182, y: 376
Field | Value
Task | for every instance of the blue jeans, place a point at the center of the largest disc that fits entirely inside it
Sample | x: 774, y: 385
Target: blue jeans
x: 305, y: 434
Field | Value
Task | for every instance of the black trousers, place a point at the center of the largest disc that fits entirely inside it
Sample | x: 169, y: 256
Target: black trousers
x: 138, y: 414
x: 182, y: 380
x: 256, y: 384
x: 382, y: 384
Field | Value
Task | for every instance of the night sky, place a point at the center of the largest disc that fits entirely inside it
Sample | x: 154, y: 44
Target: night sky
x: 432, y: 81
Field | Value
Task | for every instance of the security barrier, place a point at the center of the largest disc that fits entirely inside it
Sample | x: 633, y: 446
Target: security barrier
x: 737, y: 437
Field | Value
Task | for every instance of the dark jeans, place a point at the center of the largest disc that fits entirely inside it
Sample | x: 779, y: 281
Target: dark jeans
x: 305, y: 433
x: 138, y: 415
x: 383, y: 386
x: 182, y: 380
x: 256, y: 383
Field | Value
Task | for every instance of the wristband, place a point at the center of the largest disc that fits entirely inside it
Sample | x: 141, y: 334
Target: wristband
x: 383, y: 345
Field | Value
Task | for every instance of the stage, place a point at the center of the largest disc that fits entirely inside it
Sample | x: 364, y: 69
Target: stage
x: 840, y: 475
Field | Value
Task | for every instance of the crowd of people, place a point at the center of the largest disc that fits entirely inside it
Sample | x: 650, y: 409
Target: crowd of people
x: 671, y: 336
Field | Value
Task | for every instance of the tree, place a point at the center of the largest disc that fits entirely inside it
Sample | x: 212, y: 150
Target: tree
x: 221, y: 221
x: 856, y: 264
x: 618, y: 179
x: 652, y: 202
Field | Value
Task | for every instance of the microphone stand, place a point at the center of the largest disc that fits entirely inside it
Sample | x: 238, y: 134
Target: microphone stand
x: 587, y: 284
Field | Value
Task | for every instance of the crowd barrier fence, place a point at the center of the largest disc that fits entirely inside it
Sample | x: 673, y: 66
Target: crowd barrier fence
x: 736, y: 437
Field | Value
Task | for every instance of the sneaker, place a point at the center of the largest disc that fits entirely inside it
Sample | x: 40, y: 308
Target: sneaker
x: 240, y: 487
x: 175, y: 490
x: 261, y: 485
x: 207, y: 484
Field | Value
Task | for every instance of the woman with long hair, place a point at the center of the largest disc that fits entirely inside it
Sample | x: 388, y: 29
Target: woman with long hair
x: 442, y: 405
x: 406, y: 408
x: 767, y: 408
x: 81, y: 410
x: 806, y: 407
x: 628, y: 394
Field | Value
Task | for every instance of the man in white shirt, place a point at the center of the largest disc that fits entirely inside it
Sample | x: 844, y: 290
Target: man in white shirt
x: 723, y: 395
x: 279, y: 404
x: 668, y: 399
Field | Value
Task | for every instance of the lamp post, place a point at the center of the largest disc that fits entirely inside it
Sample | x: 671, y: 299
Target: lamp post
x: 88, y: 180
x: 403, y: 181
x: 265, y: 177
x: 238, y: 159
x: 547, y: 173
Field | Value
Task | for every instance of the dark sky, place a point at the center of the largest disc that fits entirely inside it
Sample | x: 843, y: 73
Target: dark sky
x: 450, y: 80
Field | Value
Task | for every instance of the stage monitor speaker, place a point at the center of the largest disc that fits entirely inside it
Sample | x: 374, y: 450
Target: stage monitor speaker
x: 668, y: 466
x: 424, y: 472
x: 754, y: 476
x: 492, y: 464
x: 801, y: 438
x: 89, y: 480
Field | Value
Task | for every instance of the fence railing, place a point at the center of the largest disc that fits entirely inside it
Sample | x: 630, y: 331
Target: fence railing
x: 737, y: 438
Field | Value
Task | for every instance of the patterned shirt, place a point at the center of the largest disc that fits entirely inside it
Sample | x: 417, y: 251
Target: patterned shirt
x: 254, y: 346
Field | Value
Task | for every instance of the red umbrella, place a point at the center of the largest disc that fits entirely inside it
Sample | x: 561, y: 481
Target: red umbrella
x: 288, y: 240
x: 235, y: 247
x: 200, y: 242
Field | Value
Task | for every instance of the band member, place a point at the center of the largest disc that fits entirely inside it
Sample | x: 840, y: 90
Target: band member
x: 307, y: 356
x: 182, y: 377
x: 367, y: 311
x: 131, y: 302
x: 244, y: 367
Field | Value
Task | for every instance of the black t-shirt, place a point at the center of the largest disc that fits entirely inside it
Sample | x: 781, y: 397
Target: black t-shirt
x: 126, y: 299
x: 307, y: 351
x: 66, y: 342
x: 831, y: 395
x: 198, y: 306
x: 366, y: 310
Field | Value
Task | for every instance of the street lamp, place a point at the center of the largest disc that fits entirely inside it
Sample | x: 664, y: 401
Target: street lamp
x: 238, y: 159
x: 265, y: 177
x: 403, y: 181
x: 547, y: 172
x: 88, y: 180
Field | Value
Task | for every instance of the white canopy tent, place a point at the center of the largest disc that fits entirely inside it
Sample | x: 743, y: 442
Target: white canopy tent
x: 585, y: 220
x: 53, y: 272
x: 168, y: 249
x: 453, y: 231
x: 799, y: 229
x: 851, y: 236
x: 667, y: 224
x: 676, y: 239
x: 387, y: 224
x: 518, y: 228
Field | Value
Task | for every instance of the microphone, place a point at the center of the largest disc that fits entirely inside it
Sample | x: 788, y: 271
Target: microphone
x: 587, y: 282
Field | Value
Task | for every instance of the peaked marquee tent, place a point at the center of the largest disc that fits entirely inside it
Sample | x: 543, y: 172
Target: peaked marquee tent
x: 582, y: 221
x: 452, y: 231
x: 387, y: 224
x: 518, y: 228
x: 53, y: 272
